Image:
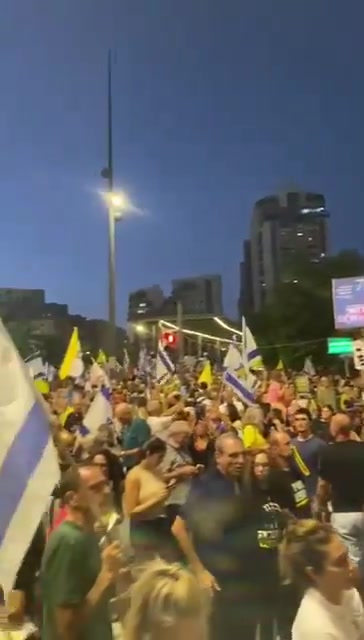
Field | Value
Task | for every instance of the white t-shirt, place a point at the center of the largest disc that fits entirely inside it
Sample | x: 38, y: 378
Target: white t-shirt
x: 158, y: 424
x: 318, y: 619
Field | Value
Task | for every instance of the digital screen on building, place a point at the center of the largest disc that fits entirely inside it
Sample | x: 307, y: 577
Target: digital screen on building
x: 348, y: 302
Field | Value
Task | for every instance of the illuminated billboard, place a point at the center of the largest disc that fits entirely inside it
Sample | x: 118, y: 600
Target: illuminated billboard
x: 348, y: 302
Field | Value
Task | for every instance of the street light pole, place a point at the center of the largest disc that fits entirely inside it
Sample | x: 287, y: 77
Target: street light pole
x: 108, y: 173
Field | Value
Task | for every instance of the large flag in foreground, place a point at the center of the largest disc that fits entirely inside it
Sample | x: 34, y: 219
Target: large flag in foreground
x: 29, y: 467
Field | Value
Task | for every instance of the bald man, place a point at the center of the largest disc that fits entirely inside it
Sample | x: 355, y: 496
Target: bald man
x: 342, y: 482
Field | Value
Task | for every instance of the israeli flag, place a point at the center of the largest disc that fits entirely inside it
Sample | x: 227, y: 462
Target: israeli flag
x: 29, y: 467
x: 99, y: 413
x: 240, y: 388
x: 233, y: 359
x: 165, y: 368
x: 250, y: 349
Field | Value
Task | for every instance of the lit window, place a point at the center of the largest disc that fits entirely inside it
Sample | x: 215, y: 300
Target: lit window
x: 310, y: 239
x: 295, y: 281
x: 299, y: 233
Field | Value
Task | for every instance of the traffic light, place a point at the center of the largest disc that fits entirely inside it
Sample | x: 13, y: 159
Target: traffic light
x: 169, y: 339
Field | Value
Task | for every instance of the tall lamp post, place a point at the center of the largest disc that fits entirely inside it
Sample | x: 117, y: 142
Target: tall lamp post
x: 114, y: 204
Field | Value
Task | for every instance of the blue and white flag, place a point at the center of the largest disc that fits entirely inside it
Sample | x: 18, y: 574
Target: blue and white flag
x: 236, y: 362
x: 165, y: 368
x: 99, y: 412
x: 250, y: 349
x: 98, y: 376
x: 240, y: 388
x: 29, y: 468
x: 233, y: 359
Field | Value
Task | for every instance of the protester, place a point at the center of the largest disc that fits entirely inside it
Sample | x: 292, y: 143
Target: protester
x: 213, y: 531
x: 314, y: 558
x: 75, y: 575
x: 342, y: 483
x: 144, y: 501
x: 309, y: 448
x: 167, y: 603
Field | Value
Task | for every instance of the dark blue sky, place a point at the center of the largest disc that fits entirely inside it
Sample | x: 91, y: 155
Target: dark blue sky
x: 217, y: 103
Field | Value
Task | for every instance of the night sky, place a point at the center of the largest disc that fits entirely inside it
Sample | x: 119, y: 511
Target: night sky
x: 217, y: 103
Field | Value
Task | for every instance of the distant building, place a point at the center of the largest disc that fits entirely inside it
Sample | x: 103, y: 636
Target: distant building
x: 21, y: 303
x: 246, y: 281
x: 283, y: 227
x: 145, y: 302
x: 201, y: 295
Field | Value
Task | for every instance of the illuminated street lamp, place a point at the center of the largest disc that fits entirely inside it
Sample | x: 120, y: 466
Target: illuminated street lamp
x: 141, y: 329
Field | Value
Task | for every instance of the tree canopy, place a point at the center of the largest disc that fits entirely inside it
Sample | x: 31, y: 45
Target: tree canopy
x: 300, y: 312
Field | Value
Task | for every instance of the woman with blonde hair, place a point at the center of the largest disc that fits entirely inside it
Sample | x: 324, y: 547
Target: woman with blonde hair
x: 167, y: 603
x: 314, y: 558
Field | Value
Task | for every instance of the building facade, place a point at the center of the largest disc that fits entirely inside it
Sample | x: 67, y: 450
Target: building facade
x: 283, y: 226
x: 201, y: 295
x: 145, y: 302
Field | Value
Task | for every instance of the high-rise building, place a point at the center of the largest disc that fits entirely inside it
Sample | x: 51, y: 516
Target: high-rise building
x: 246, y: 280
x: 145, y: 302
x: 201, y: 295
x: 283, y: 227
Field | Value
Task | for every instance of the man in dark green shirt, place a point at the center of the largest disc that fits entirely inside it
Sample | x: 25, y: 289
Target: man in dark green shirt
x: 75, y: 577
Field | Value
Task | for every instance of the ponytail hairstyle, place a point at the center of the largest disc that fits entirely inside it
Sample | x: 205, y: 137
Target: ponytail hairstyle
x: 163, y: 595
x: 304, y: 547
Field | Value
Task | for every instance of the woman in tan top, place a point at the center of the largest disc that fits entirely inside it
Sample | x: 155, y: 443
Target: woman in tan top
x: 144, y: 503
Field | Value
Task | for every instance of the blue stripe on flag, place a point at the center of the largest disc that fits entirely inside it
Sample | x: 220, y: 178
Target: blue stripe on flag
x: 254, y: 353
x: 106, y: 392
x: 239, y: 388
x: 166, y: 361
x: 83, y: 431
x: 20, y: 462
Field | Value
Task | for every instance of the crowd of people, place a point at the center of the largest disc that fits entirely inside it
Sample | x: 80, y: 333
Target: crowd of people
x: 190, y: 515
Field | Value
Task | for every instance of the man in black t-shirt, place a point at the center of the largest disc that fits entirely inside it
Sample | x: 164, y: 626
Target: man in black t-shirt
x: 342, y: 481
x: 214, y: 533
x: 288, y: 474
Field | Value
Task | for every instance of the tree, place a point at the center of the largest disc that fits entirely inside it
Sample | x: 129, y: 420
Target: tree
x: 25, y: 341
x: 300, y: 310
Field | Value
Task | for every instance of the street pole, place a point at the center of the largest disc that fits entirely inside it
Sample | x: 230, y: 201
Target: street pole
x: 180, y: 331
x: 111, y: 220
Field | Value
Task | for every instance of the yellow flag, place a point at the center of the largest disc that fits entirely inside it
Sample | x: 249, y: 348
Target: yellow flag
x: 101, y: 358
x: 63, y: 417
x: 71, y: 354
x: 280, y: 366
x: 41, y: 385
x: 206, y: 374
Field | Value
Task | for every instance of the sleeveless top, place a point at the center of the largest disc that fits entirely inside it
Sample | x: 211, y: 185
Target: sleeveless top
x: 150, y: 484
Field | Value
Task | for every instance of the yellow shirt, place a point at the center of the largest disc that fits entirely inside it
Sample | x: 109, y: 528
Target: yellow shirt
x: 252, y: 438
